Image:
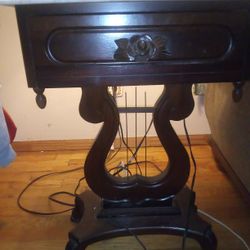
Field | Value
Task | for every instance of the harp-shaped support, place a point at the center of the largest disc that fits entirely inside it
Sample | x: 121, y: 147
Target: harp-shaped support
x: 140, y: 192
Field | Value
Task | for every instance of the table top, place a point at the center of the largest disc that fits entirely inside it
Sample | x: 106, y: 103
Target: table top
x: 20, y: 2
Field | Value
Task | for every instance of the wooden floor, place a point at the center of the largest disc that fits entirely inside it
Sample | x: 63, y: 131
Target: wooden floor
x: 22, y: 231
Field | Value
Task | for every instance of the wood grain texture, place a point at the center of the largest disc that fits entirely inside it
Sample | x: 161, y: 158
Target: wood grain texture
x: 18, y: 230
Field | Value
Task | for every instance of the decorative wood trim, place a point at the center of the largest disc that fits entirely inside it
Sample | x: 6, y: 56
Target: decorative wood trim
x: 141, y: 48
x: 85, y: 144
x: 225, y: 166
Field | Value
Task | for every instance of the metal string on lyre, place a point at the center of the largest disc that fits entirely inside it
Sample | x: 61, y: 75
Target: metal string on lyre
x: 126, y: 113
x: 145, y: 129
x: 136, y: 168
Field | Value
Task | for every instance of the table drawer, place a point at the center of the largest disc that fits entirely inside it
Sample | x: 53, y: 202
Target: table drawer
x: 199, y: 43
x: 131, y: 48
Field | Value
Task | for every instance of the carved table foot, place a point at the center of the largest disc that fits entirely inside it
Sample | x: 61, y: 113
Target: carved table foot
x: 99, y: 224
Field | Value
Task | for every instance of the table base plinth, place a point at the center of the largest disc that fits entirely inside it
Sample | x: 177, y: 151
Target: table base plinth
x: 96, y: 223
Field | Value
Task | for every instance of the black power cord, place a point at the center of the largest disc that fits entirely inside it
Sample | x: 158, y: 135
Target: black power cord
x: 184, y: 238
x: 37, y: 179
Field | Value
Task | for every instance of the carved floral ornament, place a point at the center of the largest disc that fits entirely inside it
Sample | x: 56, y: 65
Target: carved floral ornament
x: 141, y: 48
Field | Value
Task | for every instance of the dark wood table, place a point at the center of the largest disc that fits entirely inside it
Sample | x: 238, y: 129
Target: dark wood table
x: 98, y: 44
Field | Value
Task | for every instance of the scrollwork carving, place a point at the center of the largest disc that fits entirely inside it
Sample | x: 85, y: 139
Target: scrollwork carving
x: 140, y: 48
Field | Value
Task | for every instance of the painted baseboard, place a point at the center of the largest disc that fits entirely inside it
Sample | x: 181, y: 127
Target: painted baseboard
x: 85, y: 144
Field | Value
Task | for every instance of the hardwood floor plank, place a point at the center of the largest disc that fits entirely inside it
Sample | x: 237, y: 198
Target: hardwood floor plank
x: 21, y: 231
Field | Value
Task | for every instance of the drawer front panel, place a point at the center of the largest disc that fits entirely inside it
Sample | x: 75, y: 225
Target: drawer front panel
x: 175, y: 43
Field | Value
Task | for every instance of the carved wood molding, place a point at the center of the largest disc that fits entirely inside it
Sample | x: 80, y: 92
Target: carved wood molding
x: 141, y: 48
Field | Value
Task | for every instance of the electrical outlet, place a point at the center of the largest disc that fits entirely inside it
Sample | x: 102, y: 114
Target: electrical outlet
x: 199, y: 89
x: 118, y: 91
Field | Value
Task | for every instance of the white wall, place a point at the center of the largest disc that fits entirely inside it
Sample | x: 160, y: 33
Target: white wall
x: 60, y: 119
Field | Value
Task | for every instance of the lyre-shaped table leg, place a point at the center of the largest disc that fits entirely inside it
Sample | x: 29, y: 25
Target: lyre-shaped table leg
x: 97, y: 105
x: 99, y: 222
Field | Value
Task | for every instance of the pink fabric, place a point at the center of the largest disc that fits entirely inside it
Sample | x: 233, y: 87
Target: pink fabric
x: 11, y: 126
